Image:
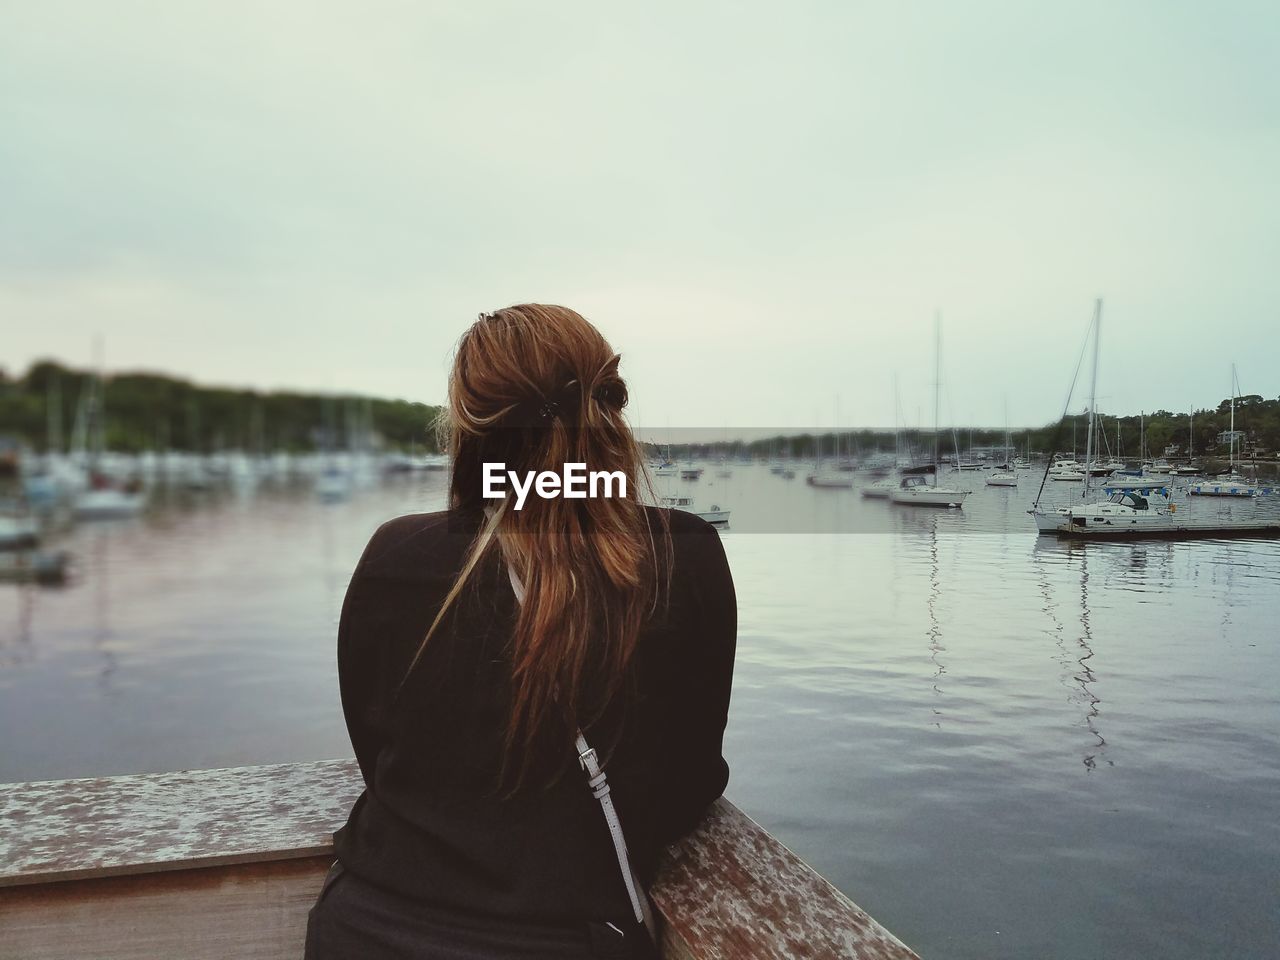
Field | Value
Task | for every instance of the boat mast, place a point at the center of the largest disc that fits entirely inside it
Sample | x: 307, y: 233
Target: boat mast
x: 1093, y: 394
x: 937, y: 389
x: 1231, y: 456
x: 53, y: 438
x: 897, y: 417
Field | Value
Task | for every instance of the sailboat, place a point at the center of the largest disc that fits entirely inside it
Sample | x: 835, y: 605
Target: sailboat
x: 1007, y: 476
x: 105, y: 498
x: 1232, y: 484
x: 831, y: 477
x: 885, y: 483
x: 915, y: 489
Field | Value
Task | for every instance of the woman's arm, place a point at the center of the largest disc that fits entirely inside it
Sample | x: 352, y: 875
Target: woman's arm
x: 358, y: 675
x: 700, y: 704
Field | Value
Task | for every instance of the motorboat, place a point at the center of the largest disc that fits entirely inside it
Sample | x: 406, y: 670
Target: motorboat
x: 716, y: 515
x: 917, y: 491
x: 1067, y: 470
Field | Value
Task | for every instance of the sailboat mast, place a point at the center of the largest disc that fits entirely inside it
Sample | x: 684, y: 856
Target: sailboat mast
x: 1093, y: 394
x: 897, y: 416
x: 937, y: 389
x: 53, y: 439
x: 1231, y: 456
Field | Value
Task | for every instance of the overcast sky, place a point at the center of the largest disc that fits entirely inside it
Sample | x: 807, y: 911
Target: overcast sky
x: 761, y: 205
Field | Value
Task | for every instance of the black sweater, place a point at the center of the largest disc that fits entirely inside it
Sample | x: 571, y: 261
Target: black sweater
x: 430, y: 824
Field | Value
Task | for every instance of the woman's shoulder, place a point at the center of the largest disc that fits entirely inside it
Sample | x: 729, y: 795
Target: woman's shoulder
x: 418, y: 545
x: 679, y: 522
x: 696, y: 550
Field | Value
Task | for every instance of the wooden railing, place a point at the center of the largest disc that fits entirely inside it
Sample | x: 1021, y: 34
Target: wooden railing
x: 226, y: 863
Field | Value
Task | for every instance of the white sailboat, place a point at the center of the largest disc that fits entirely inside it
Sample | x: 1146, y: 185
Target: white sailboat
x: 882, y: 488
x: 914, y: 489
x: 105, y: 497
x: 1008, y: 476
x: 831, y: 477
x: 1232, y: 484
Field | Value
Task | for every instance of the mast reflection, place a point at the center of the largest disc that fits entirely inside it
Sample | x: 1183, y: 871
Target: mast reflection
x: 934, y: 631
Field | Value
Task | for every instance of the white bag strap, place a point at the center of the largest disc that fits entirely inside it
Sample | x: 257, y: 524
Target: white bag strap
x: 599, y: 785
x: 600, y: 790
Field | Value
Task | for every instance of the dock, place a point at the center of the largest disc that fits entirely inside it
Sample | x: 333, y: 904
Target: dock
x: 226, y: 863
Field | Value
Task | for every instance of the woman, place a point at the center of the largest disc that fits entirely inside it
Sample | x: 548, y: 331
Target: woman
x: 476, y: 644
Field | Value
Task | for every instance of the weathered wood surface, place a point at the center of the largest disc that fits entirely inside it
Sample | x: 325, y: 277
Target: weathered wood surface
x: 730, y: 890
x: 250, y: 845
x: 69, y: 829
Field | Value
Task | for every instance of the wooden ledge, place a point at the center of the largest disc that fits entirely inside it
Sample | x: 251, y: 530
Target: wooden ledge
x: 54, y: 830
x: 227, y: 842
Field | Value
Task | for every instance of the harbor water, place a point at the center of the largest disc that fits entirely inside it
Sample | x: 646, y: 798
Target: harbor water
x: 998, y: 744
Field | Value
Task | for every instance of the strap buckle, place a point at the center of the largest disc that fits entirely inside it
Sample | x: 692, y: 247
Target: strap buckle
x: 587, y: 759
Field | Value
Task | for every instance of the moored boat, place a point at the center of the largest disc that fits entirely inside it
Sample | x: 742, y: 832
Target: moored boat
x: 1144, y: 510
x: 916, y: 491
x: 715, y: 515
x: 1229, y: 485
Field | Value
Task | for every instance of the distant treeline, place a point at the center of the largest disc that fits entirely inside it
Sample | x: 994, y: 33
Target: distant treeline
x: 1257, y: 421
x: 151, y: 411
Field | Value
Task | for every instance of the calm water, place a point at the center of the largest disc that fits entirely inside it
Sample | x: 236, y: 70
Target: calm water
x: 999, y: 745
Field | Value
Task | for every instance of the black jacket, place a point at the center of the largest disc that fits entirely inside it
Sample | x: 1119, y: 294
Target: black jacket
x: 430, y: 824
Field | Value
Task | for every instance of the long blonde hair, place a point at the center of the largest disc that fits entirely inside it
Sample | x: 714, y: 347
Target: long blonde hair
x: 536, y: 386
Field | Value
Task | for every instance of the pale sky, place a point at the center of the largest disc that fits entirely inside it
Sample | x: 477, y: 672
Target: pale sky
x: 761, y: 205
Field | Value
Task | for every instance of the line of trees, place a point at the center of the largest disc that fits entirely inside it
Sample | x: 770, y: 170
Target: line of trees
x: 1258, y: 419
x: 152, y: 411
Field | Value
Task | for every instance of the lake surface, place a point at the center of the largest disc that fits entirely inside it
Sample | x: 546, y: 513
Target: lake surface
x: 1000, y: 745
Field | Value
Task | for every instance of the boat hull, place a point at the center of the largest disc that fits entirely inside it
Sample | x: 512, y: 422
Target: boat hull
x: 109, y: 505
x: 1160, y: 526
x: 929, y: 497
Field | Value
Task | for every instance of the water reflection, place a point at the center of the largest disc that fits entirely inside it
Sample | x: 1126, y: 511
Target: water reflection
x: 934, y: 631
x: 101, y: 633
x: 1078, y: 676
x: 19, y: 651
x: 1085, y: 676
